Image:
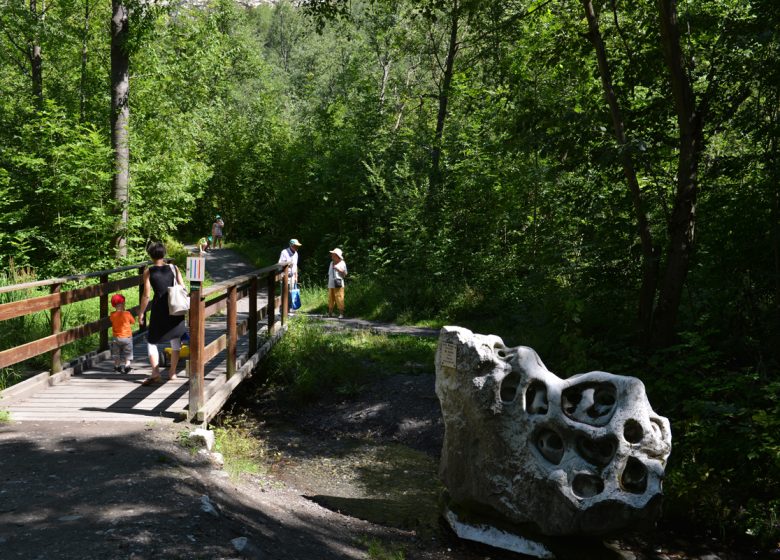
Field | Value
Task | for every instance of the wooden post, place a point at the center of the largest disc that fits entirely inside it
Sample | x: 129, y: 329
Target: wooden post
x: 103, y: 315
x: 285, y: 294
x: 232, y: 331
x: 197, y: 345
x: 252, y: 316
x: 141, y: 293
x: 271, y: 302
x: 56, y: 327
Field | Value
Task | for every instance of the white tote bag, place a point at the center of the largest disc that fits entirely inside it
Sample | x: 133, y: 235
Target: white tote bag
x: 178, y: 299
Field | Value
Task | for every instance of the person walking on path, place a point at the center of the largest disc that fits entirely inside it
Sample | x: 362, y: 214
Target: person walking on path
x: 216, y: 231
x: 121, y: 328
x: 163, y: 327
x: 337, y: 271
x: 290, y: 256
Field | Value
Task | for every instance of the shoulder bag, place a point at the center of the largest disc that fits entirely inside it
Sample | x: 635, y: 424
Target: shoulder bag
x: 178, y: 299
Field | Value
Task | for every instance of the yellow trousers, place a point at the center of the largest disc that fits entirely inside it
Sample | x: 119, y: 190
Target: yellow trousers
x: 336, y: 296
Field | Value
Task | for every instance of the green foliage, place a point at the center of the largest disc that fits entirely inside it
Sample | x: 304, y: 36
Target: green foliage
x: 726, y: 443
x: 311, y: 362
x: 322, y: 128
x: 67, y: 163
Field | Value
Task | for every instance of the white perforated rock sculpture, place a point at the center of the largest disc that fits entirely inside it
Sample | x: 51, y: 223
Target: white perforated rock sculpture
x: 577, y: 456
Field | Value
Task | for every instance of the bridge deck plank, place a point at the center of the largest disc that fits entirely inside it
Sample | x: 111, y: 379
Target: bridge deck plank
x: 100, y: 394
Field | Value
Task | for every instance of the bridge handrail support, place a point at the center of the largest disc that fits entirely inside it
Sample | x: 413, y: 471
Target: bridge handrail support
x: 197, y: 326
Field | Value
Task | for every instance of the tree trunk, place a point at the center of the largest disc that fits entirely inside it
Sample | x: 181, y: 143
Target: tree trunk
x: 120, y: 117
x: 384, y: 62
x: 444, y: 95
x: 682, y: 221
x: 36, y: 58
x: 774, y: 181
x: 649, y: 251
x: 83, y: 80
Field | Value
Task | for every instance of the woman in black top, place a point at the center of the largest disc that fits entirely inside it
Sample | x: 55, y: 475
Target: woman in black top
x: 163, y: 327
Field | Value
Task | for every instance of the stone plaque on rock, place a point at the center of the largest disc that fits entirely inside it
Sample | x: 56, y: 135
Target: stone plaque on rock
x: 578, y: 456
x: 449, y: 355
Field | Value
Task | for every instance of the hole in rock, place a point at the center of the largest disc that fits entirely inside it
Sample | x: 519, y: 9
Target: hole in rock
x: 632, y: 431
x: 536, y: 398
x: 550, y: 445
x: 587, y: 485
x: 509, y: 387
x: 603, y: 401
x: 598, y: 452
x: 634, y: 478
x: 658, y: 428
x: 590, y: 403
x: 570, y: 401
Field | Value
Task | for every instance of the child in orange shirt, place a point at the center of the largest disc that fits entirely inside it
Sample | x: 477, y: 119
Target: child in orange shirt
x: 122, y: 344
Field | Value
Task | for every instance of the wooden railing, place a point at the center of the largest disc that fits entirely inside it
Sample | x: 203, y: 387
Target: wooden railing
x: 54, y: 303
x: 204, y: 405
x: 224, y: 296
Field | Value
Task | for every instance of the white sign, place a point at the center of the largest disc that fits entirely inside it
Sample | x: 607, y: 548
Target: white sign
x: 448, y: 354
x: 196, y: 269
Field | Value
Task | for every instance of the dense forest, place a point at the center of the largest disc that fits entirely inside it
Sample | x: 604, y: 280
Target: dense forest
x: 597, y: 180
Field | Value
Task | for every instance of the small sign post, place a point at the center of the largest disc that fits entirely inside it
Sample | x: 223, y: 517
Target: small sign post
x: 196, y: 270
x: 196, y: 273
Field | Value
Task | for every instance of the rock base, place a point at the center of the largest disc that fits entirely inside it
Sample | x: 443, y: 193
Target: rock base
x: 495, y: 537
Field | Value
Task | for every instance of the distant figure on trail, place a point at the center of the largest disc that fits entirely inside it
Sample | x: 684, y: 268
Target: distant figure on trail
x: 337, y: 271
x: 216, y: 232
x: 122, y: 330
x: 163, y: 327
x: 203, y: 244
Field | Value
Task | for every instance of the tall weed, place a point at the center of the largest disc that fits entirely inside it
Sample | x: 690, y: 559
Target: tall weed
x: 243, y: 452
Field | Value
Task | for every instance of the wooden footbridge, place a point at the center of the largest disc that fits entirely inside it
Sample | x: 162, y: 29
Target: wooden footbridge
x: 232, y: 325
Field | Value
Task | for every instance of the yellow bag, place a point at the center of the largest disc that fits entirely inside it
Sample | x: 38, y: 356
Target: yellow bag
x: 183, y: 353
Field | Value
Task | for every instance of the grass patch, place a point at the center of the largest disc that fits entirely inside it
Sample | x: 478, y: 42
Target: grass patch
x: 377, y: 550
x: 185, y: 441
x: 242, y: 451
x: 5, y: 417
x: 310, y: 361
x: 10, y: 376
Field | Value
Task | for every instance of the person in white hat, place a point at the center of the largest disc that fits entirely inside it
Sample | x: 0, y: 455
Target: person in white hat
x: 290, y: 256
x: 337, y: 271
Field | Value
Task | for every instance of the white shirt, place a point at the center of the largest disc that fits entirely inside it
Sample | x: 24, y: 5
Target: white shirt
x: 336, y: 271
x: 288, y: 256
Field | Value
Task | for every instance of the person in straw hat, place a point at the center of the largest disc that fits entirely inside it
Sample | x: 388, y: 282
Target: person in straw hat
x: 337, y: 271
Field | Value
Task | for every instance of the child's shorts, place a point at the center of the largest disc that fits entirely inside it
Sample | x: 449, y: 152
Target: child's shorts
x: 122, y: 348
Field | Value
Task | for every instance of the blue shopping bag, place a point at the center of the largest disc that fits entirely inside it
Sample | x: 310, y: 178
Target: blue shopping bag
x: 295, y: 297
